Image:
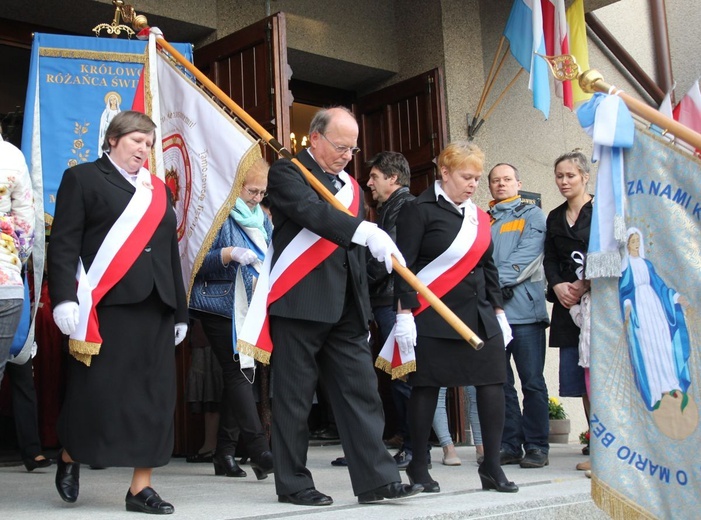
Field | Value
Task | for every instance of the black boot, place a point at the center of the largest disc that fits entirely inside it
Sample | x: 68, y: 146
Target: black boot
x: 262, y: 465
x: 226, y: 465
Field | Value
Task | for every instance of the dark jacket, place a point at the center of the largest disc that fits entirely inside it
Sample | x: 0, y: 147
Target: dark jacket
x: 90, y: 199
x: 425, y: 228
x: 380, y: 281
x: 561, y: 241
x: 319, y: 296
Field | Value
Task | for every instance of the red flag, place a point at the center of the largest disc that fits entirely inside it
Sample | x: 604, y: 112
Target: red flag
x: 557, y: 42
x: 688, y: 110
x: 139, y: 103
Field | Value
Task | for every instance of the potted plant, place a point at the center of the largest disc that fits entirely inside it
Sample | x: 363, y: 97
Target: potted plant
x: 559, y: 423
x: 584, y: 439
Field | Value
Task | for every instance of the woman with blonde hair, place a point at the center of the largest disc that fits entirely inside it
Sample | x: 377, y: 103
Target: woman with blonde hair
x: 446, y: 238
x: 220, y: 297
x: 566, y: 244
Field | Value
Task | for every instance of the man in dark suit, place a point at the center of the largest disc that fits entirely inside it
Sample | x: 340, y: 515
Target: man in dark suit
x: 319, y: 327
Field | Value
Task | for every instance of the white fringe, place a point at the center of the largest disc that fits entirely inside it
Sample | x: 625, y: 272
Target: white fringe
x: 603, y: 264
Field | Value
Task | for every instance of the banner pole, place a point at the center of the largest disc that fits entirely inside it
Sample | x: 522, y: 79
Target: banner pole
x: 592, y: 81
x: 416, y: 284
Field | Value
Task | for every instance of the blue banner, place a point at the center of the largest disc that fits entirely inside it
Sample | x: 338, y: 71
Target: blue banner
x: 645, y: 332
x: 76, y: 86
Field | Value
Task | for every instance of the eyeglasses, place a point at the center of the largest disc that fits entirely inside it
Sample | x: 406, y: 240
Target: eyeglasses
x: 256, y: 193
x: 341, y: 149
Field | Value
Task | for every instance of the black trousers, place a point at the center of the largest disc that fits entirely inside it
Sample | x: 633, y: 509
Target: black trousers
x: 338, y: 354
x: 24, y: 404
x: 238, y: 407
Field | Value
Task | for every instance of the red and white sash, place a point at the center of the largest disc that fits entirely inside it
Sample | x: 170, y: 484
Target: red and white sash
x: 441, y: 275
x: 119, y: 250
x: 305, y: 252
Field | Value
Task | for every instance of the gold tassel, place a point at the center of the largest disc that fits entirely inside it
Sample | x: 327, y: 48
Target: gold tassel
x: 86, y: 359
x: 260, y: 355
x: 83, y: 350
x: 617, y: 506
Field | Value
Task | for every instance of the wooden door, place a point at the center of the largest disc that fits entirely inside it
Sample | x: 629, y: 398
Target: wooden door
x: 407, y: 117
x: 250, y: 66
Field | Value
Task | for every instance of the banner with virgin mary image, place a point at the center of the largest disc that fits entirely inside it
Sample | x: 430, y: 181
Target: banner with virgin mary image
x: 76, y: 85
x: 645, y: 335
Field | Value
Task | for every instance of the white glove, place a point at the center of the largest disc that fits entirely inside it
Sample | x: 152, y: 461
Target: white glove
x: 505, y: 328
x: 405, y: 333
x: 180, y: 333
x: 243, y: 255
x: 381, y: 246
x: 66, y: 317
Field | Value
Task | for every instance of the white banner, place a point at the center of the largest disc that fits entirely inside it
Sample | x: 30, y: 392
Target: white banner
x: 204, y: 154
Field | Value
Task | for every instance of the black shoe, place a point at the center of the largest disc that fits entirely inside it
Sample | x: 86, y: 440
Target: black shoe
x: 226, y: 465
x: 534, y: 458
x: 396, y: 441
x: 502, y: 485
x: 403, y: 458
x: 262, y: 465
x: 148, y: 501
x: 506, y: 457
x: 207, y: 456
x: 307, y: 497
x: 430, y: 486
x: 340, y: 461
x: 329, y: 433
x: 391, y: 491
x: 31, y: 464
x: 67, y: 479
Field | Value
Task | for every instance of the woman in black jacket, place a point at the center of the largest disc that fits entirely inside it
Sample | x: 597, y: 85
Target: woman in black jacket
x: 566, y: 244
x: 444, y: 237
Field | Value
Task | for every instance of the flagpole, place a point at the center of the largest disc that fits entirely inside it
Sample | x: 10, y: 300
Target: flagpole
x: 435, y: 302
x: 477, y: 120
x: 506, y: 89
x: 592, y: 81
x: 490, y: 80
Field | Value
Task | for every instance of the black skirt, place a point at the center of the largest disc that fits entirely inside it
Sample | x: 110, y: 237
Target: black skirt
x: 452, y: 362
x: 118, y: 412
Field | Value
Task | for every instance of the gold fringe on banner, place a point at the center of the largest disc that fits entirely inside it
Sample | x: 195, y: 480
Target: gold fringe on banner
x: 397, y: 373
x: 616, y: 505
x: 252, y: 155
x: 83, y: 350
x: 404, y: 370
x: 383, y: 365
x: 119, y: 57
x: 244, y: 347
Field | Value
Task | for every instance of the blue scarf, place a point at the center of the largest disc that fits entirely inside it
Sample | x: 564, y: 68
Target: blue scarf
x: 244, y: 217
x: 607, y: 119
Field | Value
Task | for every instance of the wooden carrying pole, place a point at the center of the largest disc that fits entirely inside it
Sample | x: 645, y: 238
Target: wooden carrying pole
x: 592, y: 81
x: 404, y: 272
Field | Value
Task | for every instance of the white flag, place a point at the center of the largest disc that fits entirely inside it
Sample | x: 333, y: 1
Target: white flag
x: 203, y: 157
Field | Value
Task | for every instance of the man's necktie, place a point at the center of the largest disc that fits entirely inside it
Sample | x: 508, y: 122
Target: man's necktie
x: 335, y: 181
